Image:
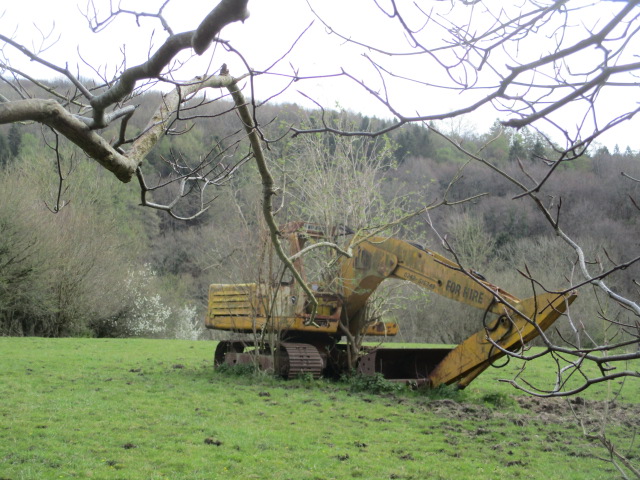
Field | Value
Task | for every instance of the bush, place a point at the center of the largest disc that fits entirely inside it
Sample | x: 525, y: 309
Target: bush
x: 61, y: 273
x: 375, y: 384
x: 499, y: 400
x: 451, y: 392
x: 238, y: 369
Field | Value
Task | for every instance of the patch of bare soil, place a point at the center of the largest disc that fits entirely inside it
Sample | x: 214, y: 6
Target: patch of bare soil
x: 561, y: 410
x: 452, y: 409
x: 546, y: 410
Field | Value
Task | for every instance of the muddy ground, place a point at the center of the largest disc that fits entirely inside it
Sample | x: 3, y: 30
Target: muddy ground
x: 547, y: 410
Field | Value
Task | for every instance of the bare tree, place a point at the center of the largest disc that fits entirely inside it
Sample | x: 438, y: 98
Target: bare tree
x: 555, y: 66
x: 82, y: 112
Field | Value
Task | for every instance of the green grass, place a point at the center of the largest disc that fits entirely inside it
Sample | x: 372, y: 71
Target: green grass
x: 155, y: 409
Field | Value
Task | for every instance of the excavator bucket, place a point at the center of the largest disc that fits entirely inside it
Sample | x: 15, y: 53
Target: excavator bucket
x: 518, y: 325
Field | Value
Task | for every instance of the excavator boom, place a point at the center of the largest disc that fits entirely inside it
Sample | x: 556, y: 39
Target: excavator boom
x: 377, y: 259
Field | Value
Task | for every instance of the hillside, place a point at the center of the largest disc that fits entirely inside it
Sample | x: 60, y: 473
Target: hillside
x: 104, y: 266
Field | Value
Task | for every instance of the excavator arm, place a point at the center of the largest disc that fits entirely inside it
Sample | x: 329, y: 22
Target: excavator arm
x: 519, y: 321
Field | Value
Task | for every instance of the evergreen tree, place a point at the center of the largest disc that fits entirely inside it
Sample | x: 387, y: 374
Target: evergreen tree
x: 603, y: 151
x: 15, y: 140
x: 538, y: 150
x: 517, y: 150
x: 5, y: 153
x: 413, y: 141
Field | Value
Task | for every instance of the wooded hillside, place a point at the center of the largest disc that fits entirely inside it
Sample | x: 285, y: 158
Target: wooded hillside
x: 64, y: 259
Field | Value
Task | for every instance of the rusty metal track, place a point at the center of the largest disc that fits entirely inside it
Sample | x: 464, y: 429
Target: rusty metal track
x: 302, y: 358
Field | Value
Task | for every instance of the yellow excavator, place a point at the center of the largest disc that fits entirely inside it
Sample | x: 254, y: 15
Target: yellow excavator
x: 285, y: 338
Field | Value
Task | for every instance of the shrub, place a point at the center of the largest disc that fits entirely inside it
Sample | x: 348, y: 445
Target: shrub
x: 374, y: 384
x: 499, y: 400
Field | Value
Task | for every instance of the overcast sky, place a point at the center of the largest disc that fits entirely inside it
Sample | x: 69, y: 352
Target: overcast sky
x: 269, y: 32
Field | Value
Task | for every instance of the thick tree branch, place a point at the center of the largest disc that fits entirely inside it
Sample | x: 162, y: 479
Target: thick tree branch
x: 170, y: 103
x: 80, y: 129
x: 51, y: 113
x: 227, y: 11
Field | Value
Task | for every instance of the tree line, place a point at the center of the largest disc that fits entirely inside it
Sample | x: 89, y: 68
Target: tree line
x: 62, y: 272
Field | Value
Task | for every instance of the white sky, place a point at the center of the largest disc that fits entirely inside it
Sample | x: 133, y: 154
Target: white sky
x: 264, y: 37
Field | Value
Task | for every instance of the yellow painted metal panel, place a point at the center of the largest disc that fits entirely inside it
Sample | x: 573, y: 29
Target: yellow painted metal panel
x: 478, y: 352
x: 381, y: 329
x: 221, y: 310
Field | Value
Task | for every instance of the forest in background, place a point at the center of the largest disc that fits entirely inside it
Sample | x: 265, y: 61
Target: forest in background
x: 62, y: 272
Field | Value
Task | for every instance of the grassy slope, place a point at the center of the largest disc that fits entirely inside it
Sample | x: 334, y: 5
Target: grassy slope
x: 147, y: 409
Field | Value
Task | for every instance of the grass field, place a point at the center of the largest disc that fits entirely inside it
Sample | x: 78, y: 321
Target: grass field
x: 155, y: 409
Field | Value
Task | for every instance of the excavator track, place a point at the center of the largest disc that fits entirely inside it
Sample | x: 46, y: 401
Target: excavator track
x: 291, y: 359
x: 300, y: 359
